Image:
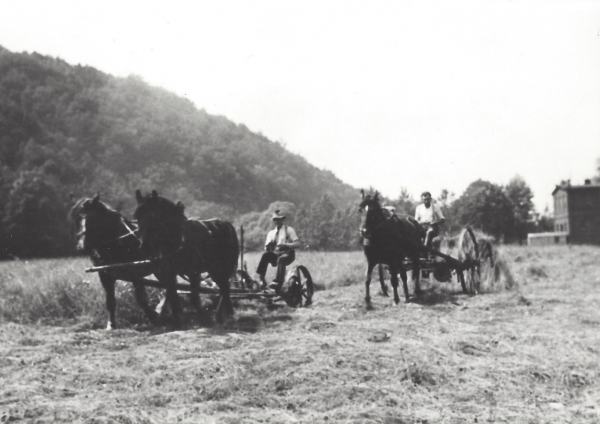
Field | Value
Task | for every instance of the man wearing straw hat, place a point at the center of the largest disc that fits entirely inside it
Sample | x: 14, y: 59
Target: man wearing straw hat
x: 279, y: 251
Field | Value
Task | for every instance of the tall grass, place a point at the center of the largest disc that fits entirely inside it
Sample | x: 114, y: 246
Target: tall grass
x: 328, y: 269
x: 53, y: 290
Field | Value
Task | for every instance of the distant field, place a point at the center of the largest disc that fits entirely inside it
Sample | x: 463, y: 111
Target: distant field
x: 529, y: 354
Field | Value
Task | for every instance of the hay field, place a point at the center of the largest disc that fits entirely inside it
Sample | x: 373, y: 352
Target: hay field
x: 530, y: 354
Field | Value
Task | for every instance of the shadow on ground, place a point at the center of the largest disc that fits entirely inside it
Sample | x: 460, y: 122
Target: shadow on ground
x: 433, y: 297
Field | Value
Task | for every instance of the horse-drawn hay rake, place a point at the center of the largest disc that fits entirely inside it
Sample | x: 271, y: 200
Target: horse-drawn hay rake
x: 474, y: 263
x: 397, y: 241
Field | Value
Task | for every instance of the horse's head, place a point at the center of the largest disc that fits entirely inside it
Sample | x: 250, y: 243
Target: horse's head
x: 96, y: 224
x: 160, y: 223
x: 372, y: 213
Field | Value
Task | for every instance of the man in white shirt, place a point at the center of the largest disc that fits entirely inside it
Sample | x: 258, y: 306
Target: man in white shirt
x: 279, y: 251
x: 430, y: 216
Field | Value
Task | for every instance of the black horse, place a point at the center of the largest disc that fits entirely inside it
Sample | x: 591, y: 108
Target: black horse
x: 109, y: 238
x: 189, y: 247
x: 389, y: 239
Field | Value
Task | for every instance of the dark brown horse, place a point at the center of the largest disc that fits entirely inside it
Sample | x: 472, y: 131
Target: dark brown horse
x: 109, y: 238
x: 189, y: 247
x: 389, y: 239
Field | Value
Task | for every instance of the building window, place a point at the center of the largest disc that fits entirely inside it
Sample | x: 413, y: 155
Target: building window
x: 556, y: 239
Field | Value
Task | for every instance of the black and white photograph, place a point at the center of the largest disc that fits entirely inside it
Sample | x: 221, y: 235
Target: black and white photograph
x: 284, y: 211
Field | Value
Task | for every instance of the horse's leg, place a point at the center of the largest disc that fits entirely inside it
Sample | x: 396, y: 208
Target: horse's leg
x: 160, y: 308
x: 394, y: 279
x: 402, y: 270
x: 225, y: 308
x: 141, y: 296
x: 173, y: 299
x: 195, y: 292
x: 416, y: 274
x: 382, y: 281
x: 368, y: 283
x: 108, y: 283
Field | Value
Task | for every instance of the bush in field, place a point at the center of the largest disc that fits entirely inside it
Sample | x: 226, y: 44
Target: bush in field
x: 34, y: 218
x: 323, y: 226
x: 320, y: 226
x: 484, y: 205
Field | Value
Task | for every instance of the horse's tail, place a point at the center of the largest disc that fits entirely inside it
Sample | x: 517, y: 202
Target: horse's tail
x: 234, y: 244
x: 230, y: 247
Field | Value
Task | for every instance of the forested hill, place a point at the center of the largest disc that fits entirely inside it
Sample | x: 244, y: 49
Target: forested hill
x: 73, y: 129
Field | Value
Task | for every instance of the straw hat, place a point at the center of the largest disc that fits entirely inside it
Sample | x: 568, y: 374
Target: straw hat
x: 277, y: 215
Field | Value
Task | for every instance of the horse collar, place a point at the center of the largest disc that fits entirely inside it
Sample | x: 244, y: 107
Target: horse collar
x: 382, y: 222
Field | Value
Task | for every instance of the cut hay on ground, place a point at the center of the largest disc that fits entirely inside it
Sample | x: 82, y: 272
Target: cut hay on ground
x: 527, y: 356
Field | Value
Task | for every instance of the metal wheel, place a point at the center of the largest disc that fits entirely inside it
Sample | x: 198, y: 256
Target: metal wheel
x: 299, y: 287
x: 468, y: 253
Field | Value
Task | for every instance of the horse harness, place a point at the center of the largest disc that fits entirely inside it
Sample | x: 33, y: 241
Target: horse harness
x: 130, y: 232
x: 390, y: 246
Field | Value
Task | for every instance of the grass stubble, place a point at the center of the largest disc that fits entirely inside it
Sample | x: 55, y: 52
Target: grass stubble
x: 526, y: 354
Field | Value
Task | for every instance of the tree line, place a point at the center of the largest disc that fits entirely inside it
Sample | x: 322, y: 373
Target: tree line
x: 504, y: 212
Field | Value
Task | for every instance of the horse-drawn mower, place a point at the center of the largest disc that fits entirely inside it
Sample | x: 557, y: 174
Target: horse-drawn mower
x: 296, y: 291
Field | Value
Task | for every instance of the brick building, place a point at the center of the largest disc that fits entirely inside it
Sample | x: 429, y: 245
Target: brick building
x: 577, y: 212
x: 547, y: 239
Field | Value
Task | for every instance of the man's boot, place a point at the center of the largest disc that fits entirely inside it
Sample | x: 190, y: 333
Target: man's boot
x: 263, y: 282
x: 276, y: 285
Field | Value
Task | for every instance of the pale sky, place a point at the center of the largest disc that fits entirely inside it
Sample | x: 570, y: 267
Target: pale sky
x: 425, y: 95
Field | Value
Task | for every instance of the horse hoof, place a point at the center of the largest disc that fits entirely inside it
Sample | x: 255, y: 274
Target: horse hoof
x: 177, y: 324
x: 154, y: 318
x: 396, y: 300
x: 225, y: 321
x: 110, y: 326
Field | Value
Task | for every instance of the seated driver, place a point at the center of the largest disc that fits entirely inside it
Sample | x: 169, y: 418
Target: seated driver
x: 280, y: 244
x: 430, y: 216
